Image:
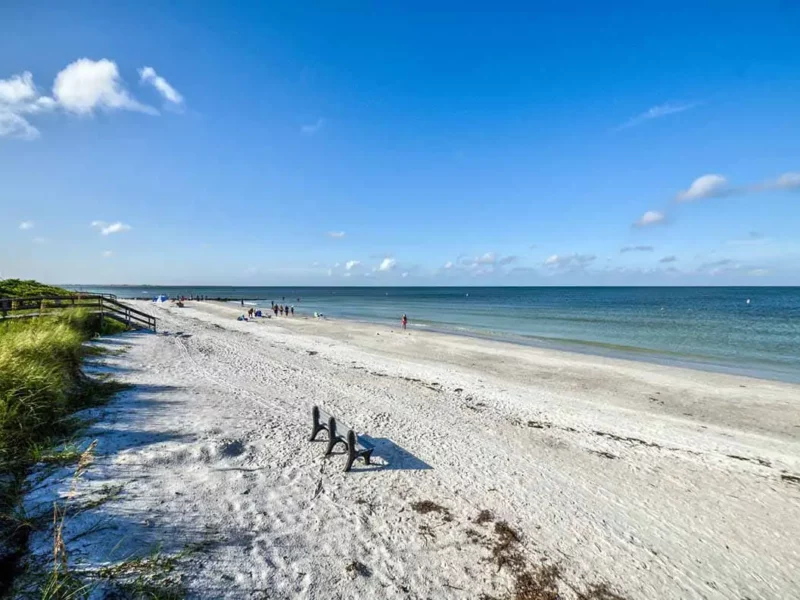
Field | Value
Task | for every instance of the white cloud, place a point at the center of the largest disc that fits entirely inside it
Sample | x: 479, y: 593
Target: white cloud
x: 352, y: 264
x: 170, y: 94
x: 336, y: 234
x: 487, y: 259
x: 656, y: 112
x: 569, y: 261
x: 387, y: 264
x: 404, y: 275
x: 14, y: 126
x: 787, y: 181
x: 313, y: 128
x: 27, y: 225
x: 109, y: 228
x: 706, y: 186
x: 651, y: 217
x: 17, y: 89
x: 448, y: 265
x: 81, y: 88
x: 108, y: 254
x: 87, y: 85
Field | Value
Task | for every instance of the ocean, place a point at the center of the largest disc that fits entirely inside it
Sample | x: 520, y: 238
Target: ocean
x: 746, y: 330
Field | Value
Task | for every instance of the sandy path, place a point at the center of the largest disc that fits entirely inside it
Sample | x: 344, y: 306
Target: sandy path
x: 662, y: 482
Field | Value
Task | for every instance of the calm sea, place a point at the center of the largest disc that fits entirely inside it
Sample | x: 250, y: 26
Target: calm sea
x: 753, y: 331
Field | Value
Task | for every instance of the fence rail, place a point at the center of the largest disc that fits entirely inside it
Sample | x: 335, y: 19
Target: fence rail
x: 106, y: 305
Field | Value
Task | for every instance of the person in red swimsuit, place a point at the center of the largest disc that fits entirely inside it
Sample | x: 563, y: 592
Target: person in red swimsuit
x: 405, y: 321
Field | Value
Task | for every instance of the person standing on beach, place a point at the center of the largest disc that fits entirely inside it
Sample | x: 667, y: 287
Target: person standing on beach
x: 292, y: 309
x: 404, y: 321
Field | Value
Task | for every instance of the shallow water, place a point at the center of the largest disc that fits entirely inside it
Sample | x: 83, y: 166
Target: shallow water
x: 711, y: 327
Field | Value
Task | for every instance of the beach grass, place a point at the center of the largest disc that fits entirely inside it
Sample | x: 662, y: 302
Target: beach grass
x: 41, y: 382
x: 42, y: 385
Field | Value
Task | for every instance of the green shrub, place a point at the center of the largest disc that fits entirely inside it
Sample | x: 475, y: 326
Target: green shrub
x: 19, y: 288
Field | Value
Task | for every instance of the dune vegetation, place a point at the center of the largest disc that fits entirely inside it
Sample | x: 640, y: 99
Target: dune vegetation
x: 42, y: 385
x: 24, y: 288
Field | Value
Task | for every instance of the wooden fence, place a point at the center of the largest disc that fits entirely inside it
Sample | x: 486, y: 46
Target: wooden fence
x: 106, y: 305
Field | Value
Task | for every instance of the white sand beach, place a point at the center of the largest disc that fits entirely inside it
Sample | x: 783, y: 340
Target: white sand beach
x: 655, y: 481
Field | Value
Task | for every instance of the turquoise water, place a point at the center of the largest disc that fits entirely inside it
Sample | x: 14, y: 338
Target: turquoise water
x: 712, y: 328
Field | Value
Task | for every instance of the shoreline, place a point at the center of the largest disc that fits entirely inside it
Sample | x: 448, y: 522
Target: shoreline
x: 508, y: 359
x: 582, y: 347
x: 709, y: 331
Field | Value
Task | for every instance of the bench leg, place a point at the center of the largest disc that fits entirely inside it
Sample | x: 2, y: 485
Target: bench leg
x: 333, y: 438
x: 351, y: 457
x: 352, y: 453
x: 367, y: 456
x: 316, y: 426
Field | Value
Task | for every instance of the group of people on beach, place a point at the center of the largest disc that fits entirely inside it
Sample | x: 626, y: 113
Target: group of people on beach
x: 278, y: 309
x: 283, y: 309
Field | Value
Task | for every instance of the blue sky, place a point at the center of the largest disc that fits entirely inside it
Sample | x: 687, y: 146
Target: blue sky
x: 495, y: 144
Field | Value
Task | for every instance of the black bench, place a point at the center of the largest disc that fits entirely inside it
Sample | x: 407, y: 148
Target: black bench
x: 356, y: 446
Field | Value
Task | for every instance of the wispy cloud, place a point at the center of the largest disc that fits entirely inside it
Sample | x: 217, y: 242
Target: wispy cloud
x: 352, y: 264
x: 312, y: 128
x: 387, y: 264
x: 651, y: 217
x: 656, y: 112
x: 569, y: 261
x: 148, y: 75
x: 625, y: 249
x: 787, y: 181
x: 336, y: 234
x: 754, y: 238
x: 717, y: 186
x: 706, y: 186
x: 109, y: 228
x: 717, y: 266
x: 668, y: 259
x: 27, y: 225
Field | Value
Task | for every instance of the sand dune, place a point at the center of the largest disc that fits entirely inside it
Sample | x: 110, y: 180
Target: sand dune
x: 654, y: 481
